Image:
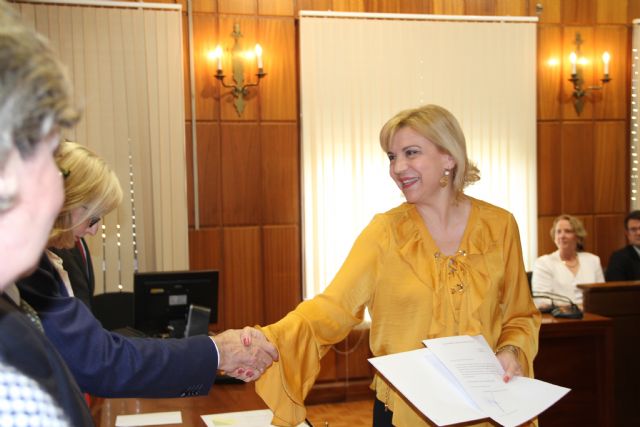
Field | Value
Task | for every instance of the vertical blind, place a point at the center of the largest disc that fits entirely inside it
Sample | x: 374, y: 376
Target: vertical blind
x: 356, y: 73
x: 126, y: 68
x: 635, y: 117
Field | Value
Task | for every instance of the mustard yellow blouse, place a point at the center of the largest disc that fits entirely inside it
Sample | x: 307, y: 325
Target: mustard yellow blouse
x: 413, y: 293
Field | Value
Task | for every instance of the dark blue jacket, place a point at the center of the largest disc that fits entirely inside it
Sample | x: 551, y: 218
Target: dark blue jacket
x: 25, y: 348
x: 108, y: 364
x: 624, y: 264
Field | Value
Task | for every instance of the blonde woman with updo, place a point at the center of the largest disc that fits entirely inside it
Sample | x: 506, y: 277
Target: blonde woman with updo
x: 441, y: 264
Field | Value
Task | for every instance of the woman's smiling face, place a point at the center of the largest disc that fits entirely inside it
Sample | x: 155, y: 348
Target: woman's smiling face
x: 416, y: 165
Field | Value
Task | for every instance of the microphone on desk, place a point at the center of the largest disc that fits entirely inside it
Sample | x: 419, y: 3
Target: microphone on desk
x: 572, y: 311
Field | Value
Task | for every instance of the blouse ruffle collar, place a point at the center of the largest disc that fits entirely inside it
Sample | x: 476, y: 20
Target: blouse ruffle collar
x: 464, y: 272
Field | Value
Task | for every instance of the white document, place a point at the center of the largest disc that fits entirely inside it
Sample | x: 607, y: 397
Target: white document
x: 259, y: 418
x: 459, y: 379
x: 149, y: 419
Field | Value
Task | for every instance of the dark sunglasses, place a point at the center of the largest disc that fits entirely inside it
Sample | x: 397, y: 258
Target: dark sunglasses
x: 93, y: 221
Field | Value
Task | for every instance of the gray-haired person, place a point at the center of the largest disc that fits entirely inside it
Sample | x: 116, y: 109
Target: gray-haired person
x: 36, y: 387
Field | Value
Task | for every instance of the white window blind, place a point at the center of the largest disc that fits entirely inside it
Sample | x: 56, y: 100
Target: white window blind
x: 635, y: 117
x: 357, y: 72
x: 126, y: 69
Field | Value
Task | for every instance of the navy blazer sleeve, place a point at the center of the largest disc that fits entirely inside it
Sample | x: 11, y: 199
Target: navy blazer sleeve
x: 111, y: 365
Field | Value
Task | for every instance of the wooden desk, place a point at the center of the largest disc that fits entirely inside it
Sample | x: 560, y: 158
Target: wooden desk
x: 620, y: 301
x: 222, y: 398
x: 573, y: 353
x: 229, y: 398
x: 577, y: 354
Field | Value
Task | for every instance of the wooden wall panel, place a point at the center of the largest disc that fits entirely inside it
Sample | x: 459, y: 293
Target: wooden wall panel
x: 576, y: 157
x: 545, y: 243
x: 210, y: 6
x: 550, y: 72
x: 633, y: 10
x: 582, y: 12
x: 610, y: 167
x: 185, y: 67
x: 609, y: 234
x: 348, y: 5
x: 612, y: 101
x: 551, y: 11
x: 512, y: 8
x: 549, y: 168
x: 282, y: 271
x: 205, y: 249
x: 240, y: 174
x: 209, y: 174
x: 313, y: 5
x: 590, y: 240
x: 393, y: 6
x: 276, y: 7
x: 280, y: 193
x: 448, y: 7
x: 279, y: 89
x: 612, y: 11
x: 480, y: 7
x: 241, y: 287
x: 586, y: 51
x: 248, y: 27
x: 242, y: 7
x: 205, y: 28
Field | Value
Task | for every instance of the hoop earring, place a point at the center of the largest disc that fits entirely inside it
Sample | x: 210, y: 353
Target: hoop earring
x: 444, y: 180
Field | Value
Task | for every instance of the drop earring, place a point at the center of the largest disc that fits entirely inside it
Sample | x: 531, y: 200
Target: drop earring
x: 444, y: 179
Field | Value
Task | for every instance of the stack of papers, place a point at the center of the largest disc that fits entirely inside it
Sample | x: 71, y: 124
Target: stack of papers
x: 149, y: 419
x: 459, y: 379
x: 259, y: 418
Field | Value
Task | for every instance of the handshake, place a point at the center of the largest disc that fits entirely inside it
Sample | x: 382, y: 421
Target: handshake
x: 244, y: 353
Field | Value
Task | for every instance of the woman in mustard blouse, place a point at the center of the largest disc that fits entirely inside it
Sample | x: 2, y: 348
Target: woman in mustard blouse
x: 441, y: 264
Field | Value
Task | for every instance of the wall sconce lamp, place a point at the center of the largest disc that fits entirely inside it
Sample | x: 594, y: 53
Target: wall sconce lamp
x: 579, y: 91
x: 240, y: 89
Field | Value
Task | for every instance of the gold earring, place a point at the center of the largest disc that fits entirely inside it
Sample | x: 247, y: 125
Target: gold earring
x: 444, y: 180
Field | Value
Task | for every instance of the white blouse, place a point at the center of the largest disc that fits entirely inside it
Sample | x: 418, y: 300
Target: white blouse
x: 551, y: 275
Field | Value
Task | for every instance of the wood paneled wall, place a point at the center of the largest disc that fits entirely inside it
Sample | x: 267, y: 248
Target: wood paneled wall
x: 249, y: 166
x: 583, y: 160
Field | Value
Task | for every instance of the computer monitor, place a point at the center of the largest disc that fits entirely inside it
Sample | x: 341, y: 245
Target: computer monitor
x: 162, y: 300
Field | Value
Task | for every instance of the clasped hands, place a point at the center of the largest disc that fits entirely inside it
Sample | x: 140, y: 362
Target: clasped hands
x: 244, y: 353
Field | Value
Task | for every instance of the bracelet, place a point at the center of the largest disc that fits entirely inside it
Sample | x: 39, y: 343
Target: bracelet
x: 510, y: 348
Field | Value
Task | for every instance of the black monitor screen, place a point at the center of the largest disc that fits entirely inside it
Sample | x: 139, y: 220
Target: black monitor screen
x: 162, y: 299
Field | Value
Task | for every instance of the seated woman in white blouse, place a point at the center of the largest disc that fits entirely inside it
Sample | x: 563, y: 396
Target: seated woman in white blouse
x: 559, y: 272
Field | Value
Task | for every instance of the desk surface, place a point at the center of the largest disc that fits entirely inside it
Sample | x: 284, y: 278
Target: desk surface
x: 222, y: 398
x: 228, y: 398
x: 241, y: 397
